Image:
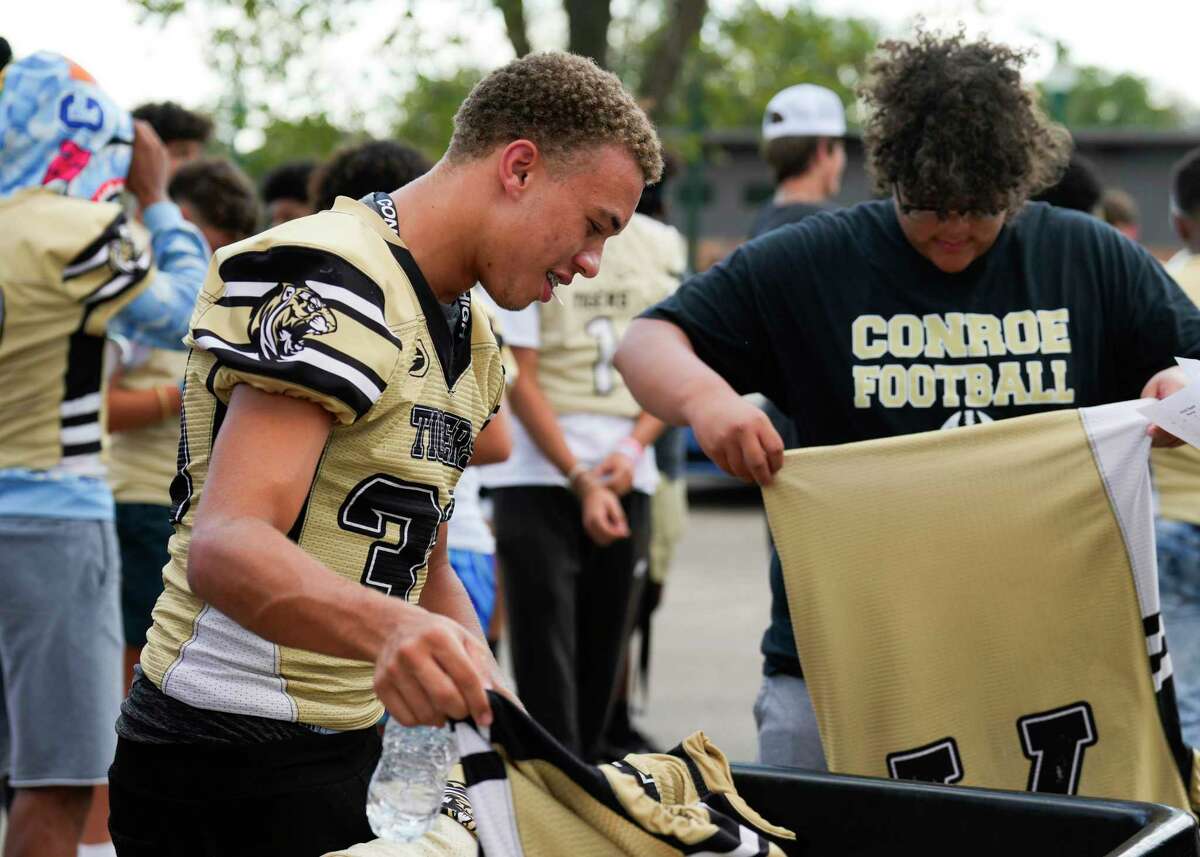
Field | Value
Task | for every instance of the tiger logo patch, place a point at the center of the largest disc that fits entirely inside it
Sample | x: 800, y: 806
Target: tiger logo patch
x: 287, y: 315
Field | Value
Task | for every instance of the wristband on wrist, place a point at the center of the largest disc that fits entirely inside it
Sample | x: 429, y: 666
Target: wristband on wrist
x: 165, y: 411
x: 630, y: 447
x: 574, y: 473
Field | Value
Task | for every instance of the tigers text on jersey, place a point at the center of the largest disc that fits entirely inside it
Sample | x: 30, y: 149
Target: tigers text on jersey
x: 66, y: 267
x: 981, y: 606
x: 530, y: 797
x: 641, y: 266
x: 331, y: 308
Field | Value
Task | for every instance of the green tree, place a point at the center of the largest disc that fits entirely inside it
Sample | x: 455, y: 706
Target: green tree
x: 803, y: 46
x: 284, y: 140
x: 427, y: 110
x: 1105, y: 99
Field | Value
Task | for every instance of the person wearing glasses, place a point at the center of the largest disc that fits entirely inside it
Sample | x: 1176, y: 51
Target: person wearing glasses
x: 949, y: 302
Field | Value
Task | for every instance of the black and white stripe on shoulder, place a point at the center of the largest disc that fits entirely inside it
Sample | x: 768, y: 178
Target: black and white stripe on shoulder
x: 110, y: 265
x: 248, y: 276
x: 319, y: 368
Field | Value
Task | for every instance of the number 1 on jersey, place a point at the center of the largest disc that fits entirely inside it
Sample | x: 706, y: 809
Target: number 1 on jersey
x: 602, y: 329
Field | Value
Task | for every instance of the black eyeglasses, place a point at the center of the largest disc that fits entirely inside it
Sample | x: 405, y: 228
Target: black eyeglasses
x: 924, y: 215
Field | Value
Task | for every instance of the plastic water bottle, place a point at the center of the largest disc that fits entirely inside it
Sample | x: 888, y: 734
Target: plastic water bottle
x: 406, y: 790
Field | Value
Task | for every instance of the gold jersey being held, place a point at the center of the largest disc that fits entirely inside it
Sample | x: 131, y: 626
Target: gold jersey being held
x: 980, y: 606
x: 333, y: 309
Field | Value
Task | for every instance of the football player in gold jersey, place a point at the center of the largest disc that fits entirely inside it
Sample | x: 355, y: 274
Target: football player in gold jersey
x: 334, y: 390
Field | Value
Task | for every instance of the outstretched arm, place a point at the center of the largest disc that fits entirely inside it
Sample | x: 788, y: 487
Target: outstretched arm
x: 664, y: 374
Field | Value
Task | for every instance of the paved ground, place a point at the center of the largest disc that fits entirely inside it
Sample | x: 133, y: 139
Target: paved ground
x: 706, y: 667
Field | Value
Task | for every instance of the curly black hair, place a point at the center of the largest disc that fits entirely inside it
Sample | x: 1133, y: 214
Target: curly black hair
x: 358, y: 170
x: 173, y: 122
x: 1078, y: 188
x: 220, y: 193
x: 950, y: 125
x: 288, y: 181
x: 560, y: 101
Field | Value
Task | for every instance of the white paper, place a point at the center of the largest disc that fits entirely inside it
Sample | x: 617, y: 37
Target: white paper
x: 1190, y: 367
x: 1179, y: 413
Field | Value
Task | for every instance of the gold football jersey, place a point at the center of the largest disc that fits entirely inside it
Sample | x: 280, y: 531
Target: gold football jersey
x: 531, y: 798
x: 141, y: 462
x: 66, y: 267
x: 1177, y: 471
x: 331, y: 308
x: 641, y: 266
x: 980, y: 606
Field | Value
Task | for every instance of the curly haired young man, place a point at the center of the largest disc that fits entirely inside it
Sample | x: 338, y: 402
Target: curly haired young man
x: 336, y: 383
x: 950, y: 302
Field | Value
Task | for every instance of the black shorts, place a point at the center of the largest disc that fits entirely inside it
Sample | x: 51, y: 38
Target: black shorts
x: 143, y: 531
x: 292, y: 798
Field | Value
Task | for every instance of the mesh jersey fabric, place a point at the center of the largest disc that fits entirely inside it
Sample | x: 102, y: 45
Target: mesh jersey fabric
x: 330, y: 308
x: 531, y: 798
x: 67, y: 266
x: 981, y: 606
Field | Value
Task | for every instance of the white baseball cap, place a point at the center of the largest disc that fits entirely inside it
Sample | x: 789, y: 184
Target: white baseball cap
x: 804, y: 110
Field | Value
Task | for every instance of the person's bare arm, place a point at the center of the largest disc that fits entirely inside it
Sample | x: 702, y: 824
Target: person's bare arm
x: 533, y: 409
x: 619, y: 466
x: 664, y: 374
x: 444, y: 594
x: 603, y: 517
x: 494, y: 443
x: 134, y: 409
x: 428, y: 666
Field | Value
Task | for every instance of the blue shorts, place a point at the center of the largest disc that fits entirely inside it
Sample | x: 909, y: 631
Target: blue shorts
x: 477, y: 571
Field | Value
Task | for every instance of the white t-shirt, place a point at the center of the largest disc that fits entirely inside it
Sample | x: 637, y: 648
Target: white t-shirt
x: 590, y: 437
x: 468, y: 530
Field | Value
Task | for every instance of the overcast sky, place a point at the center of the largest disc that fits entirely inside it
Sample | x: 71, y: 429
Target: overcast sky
x: 1152, y: 38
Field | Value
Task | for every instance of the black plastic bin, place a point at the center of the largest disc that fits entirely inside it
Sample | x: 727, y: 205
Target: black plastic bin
x: 840, y: 815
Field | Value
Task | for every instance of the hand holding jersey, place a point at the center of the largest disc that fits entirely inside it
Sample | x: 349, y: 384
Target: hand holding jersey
x: 1163, y: 384
x: 661, y: 368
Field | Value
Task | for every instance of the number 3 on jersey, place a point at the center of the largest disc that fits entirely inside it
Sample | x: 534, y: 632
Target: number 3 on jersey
x: 392, y: 567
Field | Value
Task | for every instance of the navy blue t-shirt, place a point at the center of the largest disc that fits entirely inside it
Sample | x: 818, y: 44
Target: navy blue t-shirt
x: 855, y: 335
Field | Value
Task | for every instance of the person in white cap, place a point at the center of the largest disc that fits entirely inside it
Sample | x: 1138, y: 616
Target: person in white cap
x: 803, y: 127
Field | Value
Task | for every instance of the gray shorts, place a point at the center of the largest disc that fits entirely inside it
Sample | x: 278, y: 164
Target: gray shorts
x: 60, y: 651
x: 787, y: 725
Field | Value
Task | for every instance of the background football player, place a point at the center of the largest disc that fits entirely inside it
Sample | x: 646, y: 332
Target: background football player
x: 71, y: 269
x: 572, y: 503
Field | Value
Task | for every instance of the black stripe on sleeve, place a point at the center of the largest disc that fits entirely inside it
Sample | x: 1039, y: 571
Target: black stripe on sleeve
x: 345, y: 359
x: 289, y: 371
x: 334, y: 304
x: 81, y: 259
x: 70, y: 449
x: 1151, y: 625
x: 85, y: 358
x: 481, y: 767
x: 79, y: 419
x: 293, y: 264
